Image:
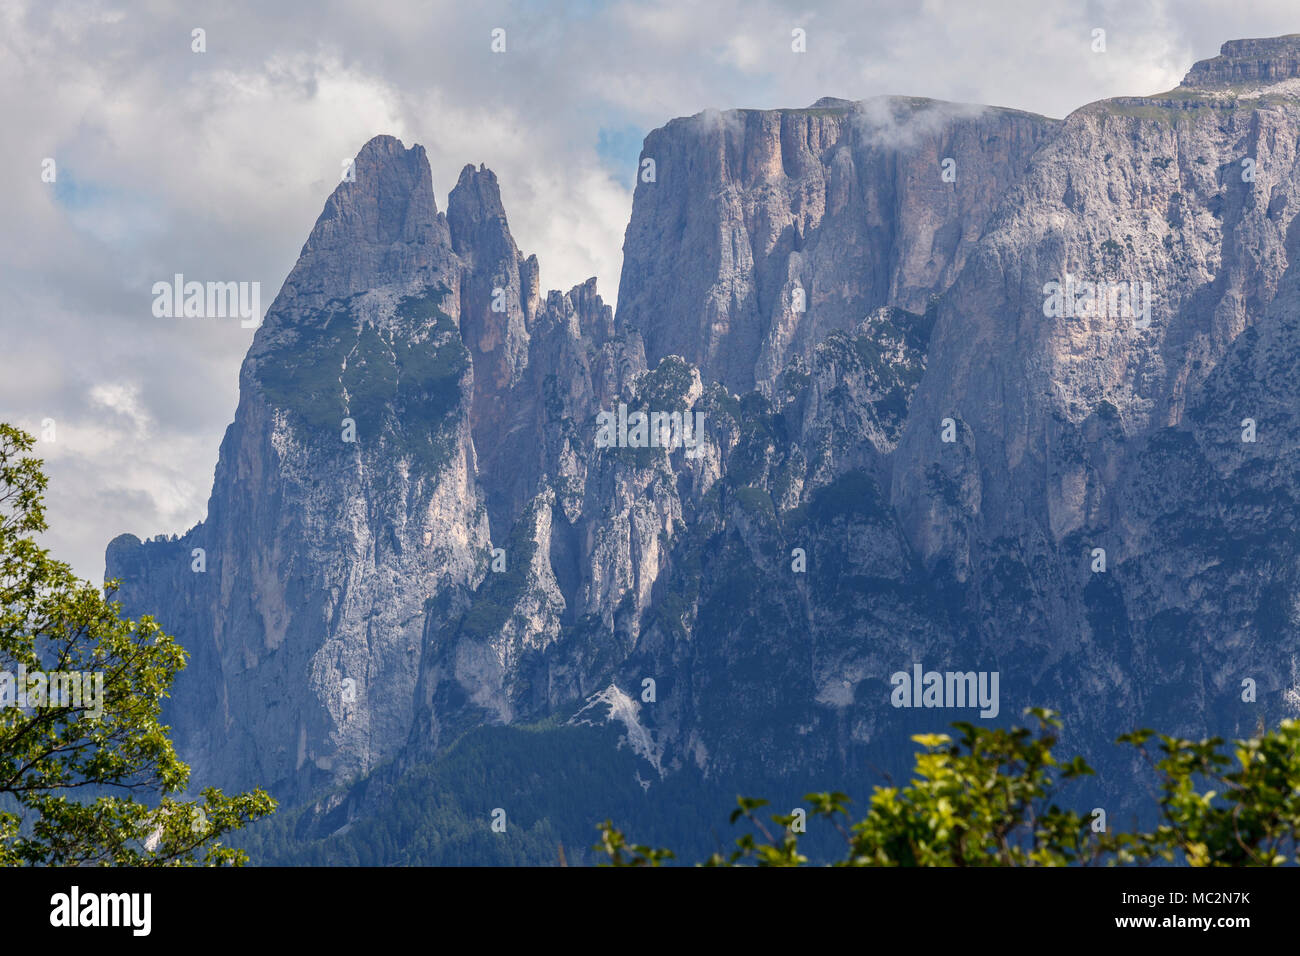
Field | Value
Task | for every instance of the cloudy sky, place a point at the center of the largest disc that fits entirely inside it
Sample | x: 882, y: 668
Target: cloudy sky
x: 216, y: 164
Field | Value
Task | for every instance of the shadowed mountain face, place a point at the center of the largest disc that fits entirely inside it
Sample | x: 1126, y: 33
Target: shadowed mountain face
x: 953, y: 386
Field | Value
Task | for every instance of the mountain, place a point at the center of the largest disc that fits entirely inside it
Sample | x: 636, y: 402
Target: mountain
x: 977, y: 390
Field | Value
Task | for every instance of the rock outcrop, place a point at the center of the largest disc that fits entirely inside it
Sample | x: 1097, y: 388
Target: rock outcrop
x: 1250, y: 62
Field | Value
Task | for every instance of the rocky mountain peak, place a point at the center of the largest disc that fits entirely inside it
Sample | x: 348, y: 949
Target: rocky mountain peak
x: 379, y: 226
x: 1263, y: 61
x: 476, y: 216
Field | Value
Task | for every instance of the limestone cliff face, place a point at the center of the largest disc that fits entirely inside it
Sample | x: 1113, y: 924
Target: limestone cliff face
x: 1087, y: 431
x: 479, y: 556
x: 1165, y: 204
x: 1254, y: 62
x: 1194, y: 196
x: 843, y: 205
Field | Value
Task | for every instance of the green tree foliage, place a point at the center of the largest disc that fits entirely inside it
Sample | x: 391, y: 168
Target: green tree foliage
x: 989, y: 799
x: 1240, y: 808
x: 94, y: 783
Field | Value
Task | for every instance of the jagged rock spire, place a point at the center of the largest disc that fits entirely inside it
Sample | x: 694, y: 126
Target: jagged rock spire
x: 379, y: 227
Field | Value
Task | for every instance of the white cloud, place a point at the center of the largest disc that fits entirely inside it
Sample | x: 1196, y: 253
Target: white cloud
x: 123, y: 399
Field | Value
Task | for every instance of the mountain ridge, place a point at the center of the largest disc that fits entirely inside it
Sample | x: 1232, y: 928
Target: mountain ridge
x: 475, y: 559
